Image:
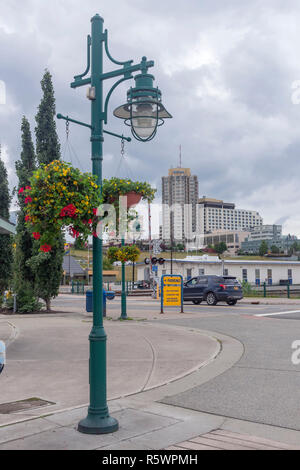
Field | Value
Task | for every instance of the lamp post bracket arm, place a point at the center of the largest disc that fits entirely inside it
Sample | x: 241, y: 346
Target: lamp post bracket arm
x: 126, y: 63
x: 126, y: 70
x: 89, y: 42
x: 67, y: 118
x: 80, y: 82
x: 128, y: 139
x: 110, y: 93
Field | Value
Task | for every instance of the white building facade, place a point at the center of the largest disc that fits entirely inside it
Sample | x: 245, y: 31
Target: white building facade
x: 254, y: 272
x: 214, y: 214
x: 179, y: 199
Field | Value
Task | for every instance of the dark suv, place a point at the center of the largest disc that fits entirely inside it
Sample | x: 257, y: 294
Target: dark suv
x: 213, y: 289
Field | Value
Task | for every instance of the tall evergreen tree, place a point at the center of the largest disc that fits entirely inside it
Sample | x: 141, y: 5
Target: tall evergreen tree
x: 23, y: 275
x: 47, y: 143
x: 6, y: 255
x: 47, y: 267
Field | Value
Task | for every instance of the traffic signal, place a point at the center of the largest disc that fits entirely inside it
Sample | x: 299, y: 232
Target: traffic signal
x: 154, y: 261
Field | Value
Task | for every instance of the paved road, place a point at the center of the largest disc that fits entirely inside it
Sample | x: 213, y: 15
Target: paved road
x: 264, y: 386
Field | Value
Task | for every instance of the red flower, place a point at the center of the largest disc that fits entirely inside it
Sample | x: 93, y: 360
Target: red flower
x: 95, y: 234
x: 28, y: 188
x: 68, y: 211
x: 46, y: 248
x: 74, y: 232
x: 36, y: 235
x: 90, y: 222
x: 95, y: 211
x: 27, y: 218
x: 21, y: 191
x: 28, y: 200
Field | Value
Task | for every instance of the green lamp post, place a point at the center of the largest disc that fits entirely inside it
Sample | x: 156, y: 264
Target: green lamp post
x: 144, y: 112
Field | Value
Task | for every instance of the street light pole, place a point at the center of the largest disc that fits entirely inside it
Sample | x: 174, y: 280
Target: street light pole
x: 98, y: 420
x: 144, y: 111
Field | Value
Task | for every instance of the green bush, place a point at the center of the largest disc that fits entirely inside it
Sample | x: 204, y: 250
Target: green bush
x: 247, y: 289
x: 26, y: 301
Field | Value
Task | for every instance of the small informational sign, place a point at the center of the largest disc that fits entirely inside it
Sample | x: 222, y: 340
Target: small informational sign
x: 67, y: 248
x: 172, y: 291
x: 155, y: 269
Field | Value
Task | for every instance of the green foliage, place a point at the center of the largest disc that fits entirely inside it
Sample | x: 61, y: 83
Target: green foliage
x: 124, y: 254
x: 62, y: 196
x: 275, y: 249
x: 6, y: 258
x: 180, y: 247
x: 247, y: 289
x: 5, y: 197
x: 47, y: 268
x: 47, y: 144
x: 107, y: 264
x: 23, y: 280
x: 115, y: 187
x: 220, y: 248
x: 6, y: 255
x: 27, y: 163
x: 27, y: 302
x: 263, y: 249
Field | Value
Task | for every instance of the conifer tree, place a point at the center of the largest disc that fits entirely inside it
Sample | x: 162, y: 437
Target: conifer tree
x: 47, y: 266
x: 6, y: 256
x: 23, y: 275
x: 47, y: 143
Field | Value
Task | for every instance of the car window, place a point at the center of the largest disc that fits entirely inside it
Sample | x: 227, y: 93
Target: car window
x: 231, y: 282
x: 192, y: 282
x: 202, y: 280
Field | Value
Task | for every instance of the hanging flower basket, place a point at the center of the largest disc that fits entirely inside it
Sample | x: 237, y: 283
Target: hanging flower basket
x: 134, y: 190
x: 60, y: 196
x: 124, y: 254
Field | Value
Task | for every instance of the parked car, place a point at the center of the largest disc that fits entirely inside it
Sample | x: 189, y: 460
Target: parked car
x: 213, y: 289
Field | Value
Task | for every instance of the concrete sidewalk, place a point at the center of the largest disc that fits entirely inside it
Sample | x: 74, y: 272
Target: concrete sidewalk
x: 48, y: 357
x: 146, y: 423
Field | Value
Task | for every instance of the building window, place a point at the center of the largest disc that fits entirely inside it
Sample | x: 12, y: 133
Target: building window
x: 201, y: 272
x: 245, y: 275
x: 269, y: 276
x: 290, y: 275
x: 257, y: 277
x: 225, y: 272
x: 188, y: 273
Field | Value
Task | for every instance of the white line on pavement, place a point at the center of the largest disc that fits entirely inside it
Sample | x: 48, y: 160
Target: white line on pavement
x: 276, y: 313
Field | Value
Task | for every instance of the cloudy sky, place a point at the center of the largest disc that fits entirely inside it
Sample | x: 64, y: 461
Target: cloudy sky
x: 226, y: 68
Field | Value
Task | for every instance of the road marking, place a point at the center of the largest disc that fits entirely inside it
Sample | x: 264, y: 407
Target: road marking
x: 275, y: 313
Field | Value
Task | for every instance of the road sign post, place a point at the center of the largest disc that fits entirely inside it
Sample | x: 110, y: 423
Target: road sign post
x: 171, y: 292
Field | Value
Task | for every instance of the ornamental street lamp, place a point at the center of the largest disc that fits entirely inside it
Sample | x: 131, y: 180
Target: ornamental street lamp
x: 144, y: 112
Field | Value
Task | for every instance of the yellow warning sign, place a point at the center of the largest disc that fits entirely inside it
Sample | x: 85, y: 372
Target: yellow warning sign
x: 172, y: 296
x: 171, y: 280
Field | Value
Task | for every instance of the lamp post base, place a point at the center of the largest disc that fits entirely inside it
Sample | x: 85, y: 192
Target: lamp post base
x: 96, y: 425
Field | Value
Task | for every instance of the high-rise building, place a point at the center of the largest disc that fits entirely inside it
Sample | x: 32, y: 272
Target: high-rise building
x: 179, y: 199
x: 214, y: 214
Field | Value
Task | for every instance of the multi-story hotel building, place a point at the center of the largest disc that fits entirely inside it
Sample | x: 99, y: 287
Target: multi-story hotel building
x: 180, y: 192
x: 214, y: 214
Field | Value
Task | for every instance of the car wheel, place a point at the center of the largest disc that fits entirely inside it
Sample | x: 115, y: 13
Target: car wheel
x: 211, y: 299
x: 197, y: 302
x: 231, y: 302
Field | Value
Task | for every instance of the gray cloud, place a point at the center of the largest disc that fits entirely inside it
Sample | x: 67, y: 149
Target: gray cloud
x: 225, y: 69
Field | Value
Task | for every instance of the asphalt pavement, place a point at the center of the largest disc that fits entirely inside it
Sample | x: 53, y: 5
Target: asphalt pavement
x: 264, y: 385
